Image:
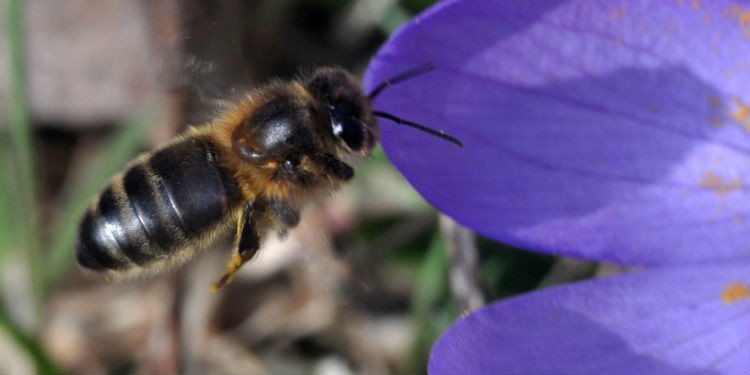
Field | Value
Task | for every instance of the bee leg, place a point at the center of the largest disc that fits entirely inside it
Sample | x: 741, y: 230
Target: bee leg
x: 338, y: 168
x: 248, y: 243
x: 288, y: 216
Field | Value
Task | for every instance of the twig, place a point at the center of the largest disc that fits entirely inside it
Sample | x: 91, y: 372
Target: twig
x: 463, y: 263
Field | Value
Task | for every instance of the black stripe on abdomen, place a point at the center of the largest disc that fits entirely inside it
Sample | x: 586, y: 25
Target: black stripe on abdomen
x: 193, y: 185
x: 96, y: 248
x: 145, y: 207
x: 128, y: 236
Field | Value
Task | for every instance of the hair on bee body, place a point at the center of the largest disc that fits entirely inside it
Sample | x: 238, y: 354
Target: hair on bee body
x: 253, y: 168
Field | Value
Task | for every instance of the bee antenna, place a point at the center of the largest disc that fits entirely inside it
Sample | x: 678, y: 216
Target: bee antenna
x: 437, y: 133
x: 403, y: 76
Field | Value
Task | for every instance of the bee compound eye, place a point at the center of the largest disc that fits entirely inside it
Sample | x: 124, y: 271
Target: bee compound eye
x: 348, y: 129
x: 352, y: 132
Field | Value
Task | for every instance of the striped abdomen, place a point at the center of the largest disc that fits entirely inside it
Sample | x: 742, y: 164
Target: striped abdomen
x: 157, y: 207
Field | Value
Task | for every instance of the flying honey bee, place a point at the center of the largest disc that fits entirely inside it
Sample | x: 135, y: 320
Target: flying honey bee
x: 254, y: 167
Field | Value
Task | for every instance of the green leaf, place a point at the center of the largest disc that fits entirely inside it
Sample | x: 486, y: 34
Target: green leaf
x: 432, y: 279
x: 432, y: 306
x: 21, y: 187
x: 18, y: 193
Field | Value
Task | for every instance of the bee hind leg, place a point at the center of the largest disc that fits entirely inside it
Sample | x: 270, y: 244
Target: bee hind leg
x: 248, y: 242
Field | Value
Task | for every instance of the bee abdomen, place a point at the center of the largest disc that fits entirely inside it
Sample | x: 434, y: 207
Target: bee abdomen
x: 158, y: 206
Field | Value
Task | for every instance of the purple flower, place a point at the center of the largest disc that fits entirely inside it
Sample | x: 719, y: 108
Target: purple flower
x: 616, y: 131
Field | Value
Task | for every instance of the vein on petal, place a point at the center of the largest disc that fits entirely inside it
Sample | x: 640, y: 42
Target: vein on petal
x: 593, y: 107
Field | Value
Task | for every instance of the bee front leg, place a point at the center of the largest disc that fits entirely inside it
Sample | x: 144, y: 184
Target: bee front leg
x: 248, y: 242
x: 338, y: 168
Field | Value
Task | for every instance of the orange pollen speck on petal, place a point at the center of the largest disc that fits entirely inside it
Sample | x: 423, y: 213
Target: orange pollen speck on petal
x: 743, y: 16
x: 735, y: 291
x: 716, y: 102
x: 742, y: 114
x: 618, y: 13
x: 712, y: 181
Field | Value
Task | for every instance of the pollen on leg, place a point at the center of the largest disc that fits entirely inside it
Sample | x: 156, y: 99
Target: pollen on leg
x: 234, y: 265
x: 735, y: 291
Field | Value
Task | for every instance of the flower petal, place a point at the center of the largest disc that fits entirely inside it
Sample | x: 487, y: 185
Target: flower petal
x: 611, y: 130
x: 660, y: 321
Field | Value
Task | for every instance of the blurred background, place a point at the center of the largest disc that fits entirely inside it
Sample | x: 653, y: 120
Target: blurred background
x: 365, y: 284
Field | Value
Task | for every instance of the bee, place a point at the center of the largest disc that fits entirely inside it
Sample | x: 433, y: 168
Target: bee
x: 253, y: 168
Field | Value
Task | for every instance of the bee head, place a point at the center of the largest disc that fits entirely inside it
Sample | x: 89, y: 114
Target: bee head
x: 351, y: 121
x: 298, y: 135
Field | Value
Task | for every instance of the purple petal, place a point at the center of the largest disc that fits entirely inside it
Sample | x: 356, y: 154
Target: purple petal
x: 612, y: 130
x: 661, y: 321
